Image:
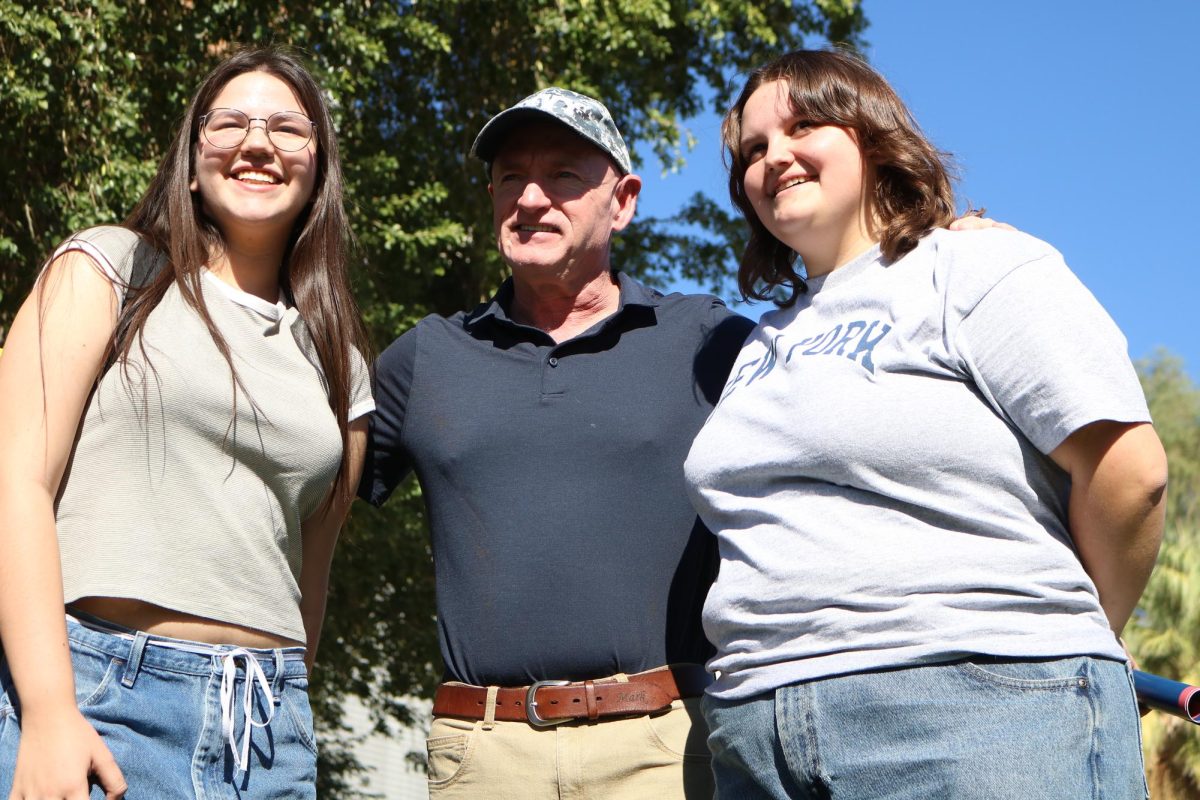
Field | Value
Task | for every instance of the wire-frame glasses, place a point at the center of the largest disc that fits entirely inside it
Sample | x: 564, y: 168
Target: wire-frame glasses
x: 227, y: 128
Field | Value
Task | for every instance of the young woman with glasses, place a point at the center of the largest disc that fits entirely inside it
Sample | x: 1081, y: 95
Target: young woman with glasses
x: 932, y: 475
x: 182, y: 404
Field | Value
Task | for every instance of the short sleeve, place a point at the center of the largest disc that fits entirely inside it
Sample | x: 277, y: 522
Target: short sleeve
x: 1047, y: 356
x: 361, y: 400
x: 387, y: 461
x: 724, y: 334
x: 125, y: 259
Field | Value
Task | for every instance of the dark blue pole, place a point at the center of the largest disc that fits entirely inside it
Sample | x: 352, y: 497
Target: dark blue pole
x: 1168, y: 696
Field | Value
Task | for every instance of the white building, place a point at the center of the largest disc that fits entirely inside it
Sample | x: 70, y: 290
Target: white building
x: 392, y: 773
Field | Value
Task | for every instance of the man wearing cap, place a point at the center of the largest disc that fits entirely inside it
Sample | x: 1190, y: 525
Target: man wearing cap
x: 548, y: 429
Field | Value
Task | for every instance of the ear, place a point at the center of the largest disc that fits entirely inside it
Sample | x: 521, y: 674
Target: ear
x: 491, y: 191
x: 194, y: 184
x: 624, y: 201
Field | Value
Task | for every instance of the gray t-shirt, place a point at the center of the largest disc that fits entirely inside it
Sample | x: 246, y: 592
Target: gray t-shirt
x: 876, y: 473
x: 173, y: 499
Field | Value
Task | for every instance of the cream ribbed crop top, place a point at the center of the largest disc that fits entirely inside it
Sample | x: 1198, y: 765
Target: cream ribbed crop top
x: 171, y: 498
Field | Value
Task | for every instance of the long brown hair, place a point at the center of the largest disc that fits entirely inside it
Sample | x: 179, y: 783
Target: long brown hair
x: 912, y: 191
x: 313, y: 274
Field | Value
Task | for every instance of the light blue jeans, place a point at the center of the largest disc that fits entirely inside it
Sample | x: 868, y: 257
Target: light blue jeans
x: 1063, y: 729
x: 160, y: 712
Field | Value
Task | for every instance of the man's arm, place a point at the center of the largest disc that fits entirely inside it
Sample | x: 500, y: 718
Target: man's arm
x: 385, y: 463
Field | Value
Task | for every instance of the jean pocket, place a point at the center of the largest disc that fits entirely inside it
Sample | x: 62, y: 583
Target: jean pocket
x: 95, y: 672
x: 682, y: 731
x: 1029, y: 675
x: 298, y: 712
x: 448, y: 750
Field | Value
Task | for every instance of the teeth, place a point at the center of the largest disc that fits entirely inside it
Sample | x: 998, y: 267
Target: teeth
x: 536, y: 228
x: 791, y: 183
x: 256, y: 177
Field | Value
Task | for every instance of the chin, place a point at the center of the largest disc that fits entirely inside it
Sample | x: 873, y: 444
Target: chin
x: 520, y: 257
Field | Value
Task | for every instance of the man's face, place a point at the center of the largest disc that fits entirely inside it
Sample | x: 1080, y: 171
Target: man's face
x: 556, y: 200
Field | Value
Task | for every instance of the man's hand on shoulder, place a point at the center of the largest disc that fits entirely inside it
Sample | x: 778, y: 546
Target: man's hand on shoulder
x: 976, y: 221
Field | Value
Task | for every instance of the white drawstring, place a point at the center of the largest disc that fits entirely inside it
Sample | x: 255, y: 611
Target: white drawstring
x: 254, y: 672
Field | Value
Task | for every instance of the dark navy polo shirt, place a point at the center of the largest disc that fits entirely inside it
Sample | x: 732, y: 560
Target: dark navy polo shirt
x: 564, y: 544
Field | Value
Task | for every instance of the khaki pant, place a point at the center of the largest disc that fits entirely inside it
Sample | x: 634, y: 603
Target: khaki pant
x: 659, y: 757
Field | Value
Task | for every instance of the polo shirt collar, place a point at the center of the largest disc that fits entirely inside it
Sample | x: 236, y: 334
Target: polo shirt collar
x: 632, y: 294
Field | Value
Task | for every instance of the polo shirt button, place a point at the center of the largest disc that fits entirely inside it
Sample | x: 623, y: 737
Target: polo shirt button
x: 553, y: 361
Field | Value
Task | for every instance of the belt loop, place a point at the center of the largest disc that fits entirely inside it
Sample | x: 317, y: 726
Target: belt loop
x: 589, y: 693
x: 135, y: 659
x: 277, y: 681
x: 489, y: 710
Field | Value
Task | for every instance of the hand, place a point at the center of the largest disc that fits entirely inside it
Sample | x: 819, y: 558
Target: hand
x: 1143, y: 709
x: 976, y: 221
x: 57, y: 754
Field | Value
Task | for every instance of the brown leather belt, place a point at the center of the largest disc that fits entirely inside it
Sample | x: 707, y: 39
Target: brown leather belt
x: 548, y: 703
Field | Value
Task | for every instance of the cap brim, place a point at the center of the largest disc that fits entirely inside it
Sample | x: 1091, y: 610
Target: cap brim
x: 498, y: 127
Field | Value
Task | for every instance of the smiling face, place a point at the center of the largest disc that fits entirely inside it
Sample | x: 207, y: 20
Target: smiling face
x: 557, y: 200
x: 807, y: 181
x: 255, y: 189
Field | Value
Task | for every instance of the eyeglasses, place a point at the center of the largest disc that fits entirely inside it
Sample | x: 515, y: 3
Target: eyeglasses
x: 227, y: 128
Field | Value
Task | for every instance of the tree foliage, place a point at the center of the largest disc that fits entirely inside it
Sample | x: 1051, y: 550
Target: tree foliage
x: 1165, y: 632
x: 91, y: 91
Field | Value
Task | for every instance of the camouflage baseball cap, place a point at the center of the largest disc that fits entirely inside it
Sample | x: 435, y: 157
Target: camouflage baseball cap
x: 582, y: 114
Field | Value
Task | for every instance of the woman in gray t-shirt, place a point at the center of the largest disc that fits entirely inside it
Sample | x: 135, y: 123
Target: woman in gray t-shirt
x: 182, y: 405
x: 932, y: 475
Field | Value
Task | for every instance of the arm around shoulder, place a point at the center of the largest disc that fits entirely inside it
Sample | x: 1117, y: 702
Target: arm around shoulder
x: 723, y: 334
x: 385, y: 463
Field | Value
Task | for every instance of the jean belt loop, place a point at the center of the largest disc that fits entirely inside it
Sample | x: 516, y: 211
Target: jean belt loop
x: 136, y: 650
x: 489, y: 710
x: 277, y: 681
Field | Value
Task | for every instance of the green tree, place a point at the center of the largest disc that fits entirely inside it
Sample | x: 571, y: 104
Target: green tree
x: 1165, y: 632
x: 91, y: 90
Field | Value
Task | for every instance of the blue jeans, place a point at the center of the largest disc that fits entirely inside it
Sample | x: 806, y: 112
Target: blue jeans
x: 159, y: 710
x: 990, y: 729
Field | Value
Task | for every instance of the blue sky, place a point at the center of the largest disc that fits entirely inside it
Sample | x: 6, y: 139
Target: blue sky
x: 1076, y: 121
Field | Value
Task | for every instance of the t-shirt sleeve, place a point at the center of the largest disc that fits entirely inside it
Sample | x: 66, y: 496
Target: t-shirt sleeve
x: 118, y: 253
x: 361, y: 399
x: 387, y: 461
x: 1047, y: 356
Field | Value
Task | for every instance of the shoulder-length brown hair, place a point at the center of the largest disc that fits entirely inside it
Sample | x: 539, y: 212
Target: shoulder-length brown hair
x: 911, y: 194
x: 313, y: 274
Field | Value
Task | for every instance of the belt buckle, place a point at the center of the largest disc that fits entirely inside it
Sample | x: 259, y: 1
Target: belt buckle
x: 531, y: 705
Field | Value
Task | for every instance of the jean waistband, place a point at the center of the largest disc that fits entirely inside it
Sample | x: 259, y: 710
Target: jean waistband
x: 260, y: 672
x: 177, y: 655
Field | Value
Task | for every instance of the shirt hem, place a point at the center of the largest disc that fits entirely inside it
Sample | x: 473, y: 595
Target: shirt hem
x: 744, y: 683
x: 360, y: 409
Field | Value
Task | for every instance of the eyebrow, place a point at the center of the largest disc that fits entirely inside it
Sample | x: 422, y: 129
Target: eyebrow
x: 747, y: 139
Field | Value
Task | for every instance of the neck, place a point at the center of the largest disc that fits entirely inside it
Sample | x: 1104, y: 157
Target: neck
x: 821, y: 258
x: 252, y: 266
x: 561, y: 309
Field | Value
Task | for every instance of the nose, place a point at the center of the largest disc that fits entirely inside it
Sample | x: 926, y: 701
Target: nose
x: 256, y: 136
x: 779, y: 152
x: 533, y: 198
